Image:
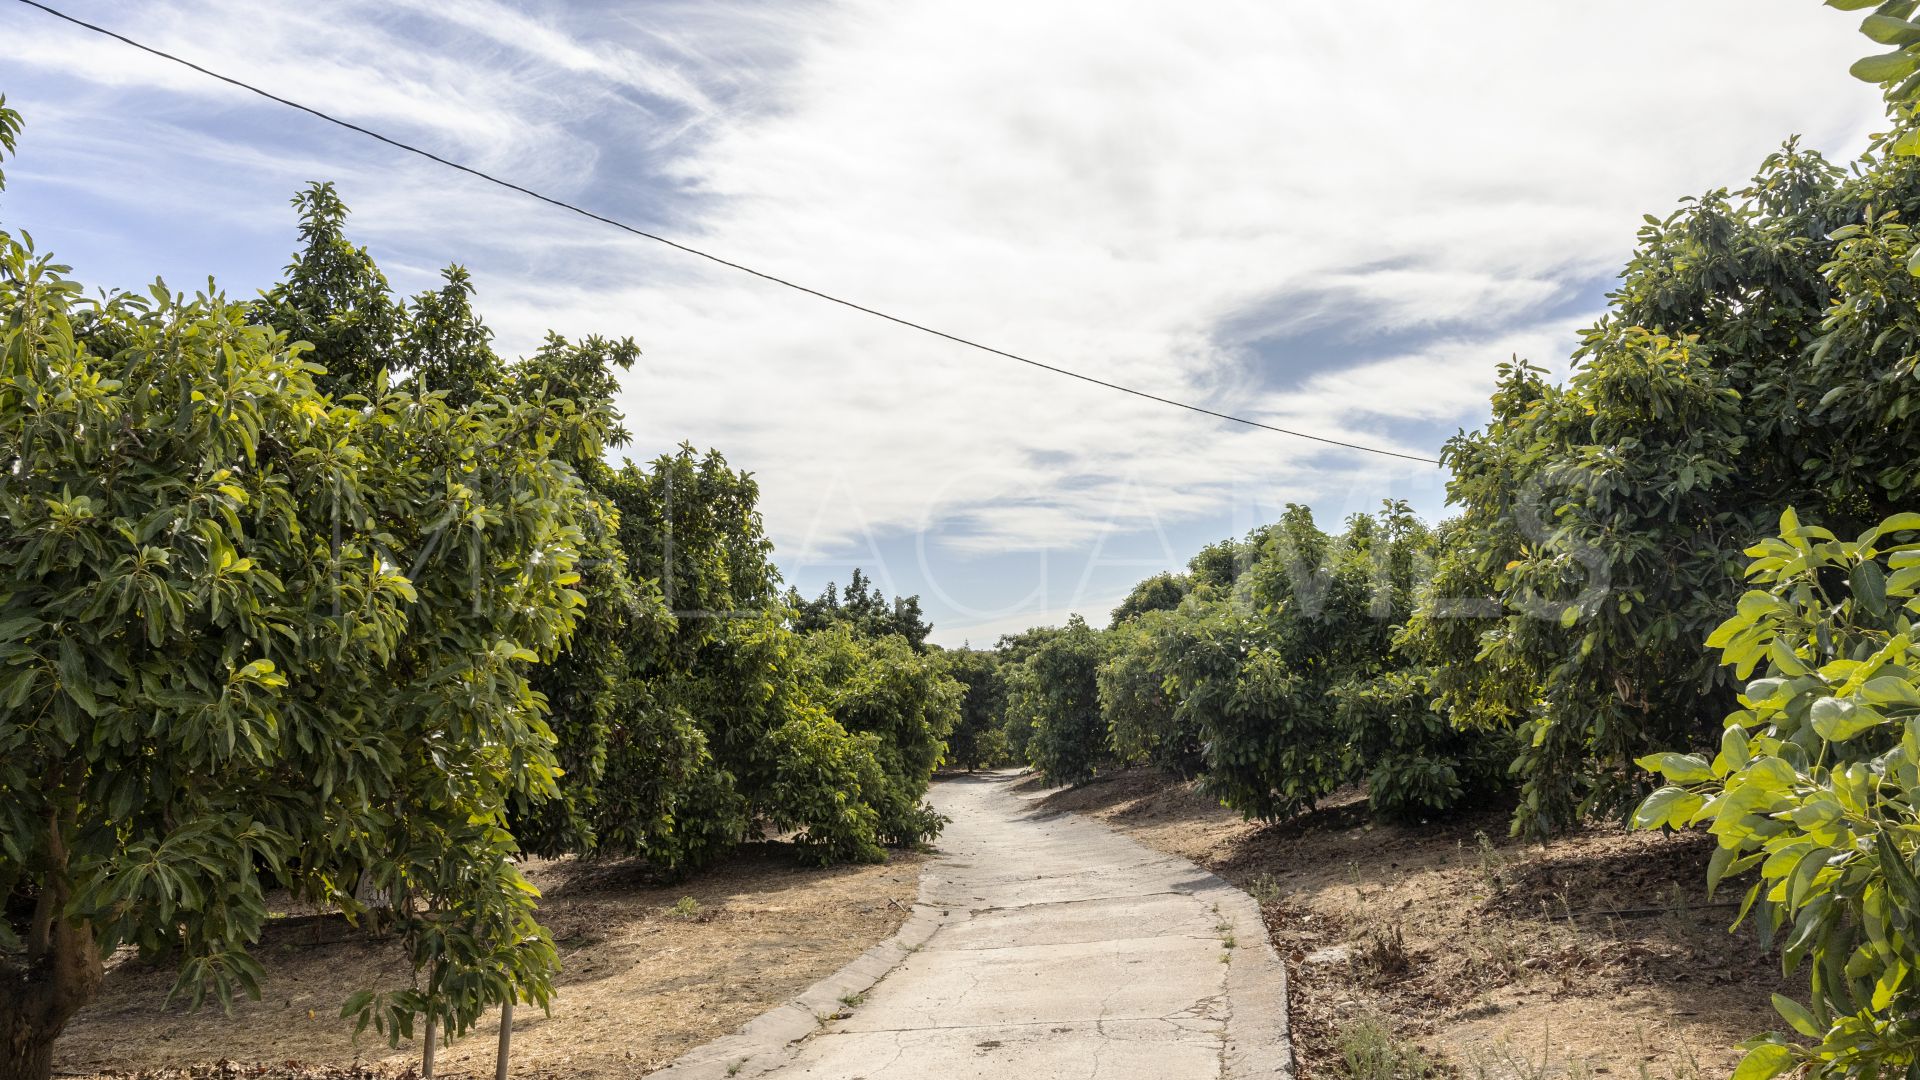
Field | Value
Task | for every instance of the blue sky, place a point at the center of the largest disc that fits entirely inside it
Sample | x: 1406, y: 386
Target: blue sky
x: 1280, y: 210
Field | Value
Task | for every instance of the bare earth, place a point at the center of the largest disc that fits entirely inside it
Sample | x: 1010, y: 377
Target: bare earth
x: 1590, y: 956
x: 642, y: 984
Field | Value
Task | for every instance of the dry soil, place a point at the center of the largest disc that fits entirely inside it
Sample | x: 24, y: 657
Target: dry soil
x: 647, y: 977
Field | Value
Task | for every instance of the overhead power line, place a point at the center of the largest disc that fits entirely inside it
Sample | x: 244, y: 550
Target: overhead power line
x: 709, y: 256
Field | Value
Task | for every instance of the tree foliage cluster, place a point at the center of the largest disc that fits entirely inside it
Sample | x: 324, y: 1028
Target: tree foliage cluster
x: 317, y: 592
x: 1814, y: 784
x: 864, y: 608
x: 1275, y: 669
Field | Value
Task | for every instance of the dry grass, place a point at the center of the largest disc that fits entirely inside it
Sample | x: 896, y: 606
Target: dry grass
x: 647, y: 975
x: 1596, y: 955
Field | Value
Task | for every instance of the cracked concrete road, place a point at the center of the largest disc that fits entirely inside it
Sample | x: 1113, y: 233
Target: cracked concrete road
x: 1063, y: 949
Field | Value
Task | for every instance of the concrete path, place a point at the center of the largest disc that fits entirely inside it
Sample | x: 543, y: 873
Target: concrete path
x: 1062, y: 949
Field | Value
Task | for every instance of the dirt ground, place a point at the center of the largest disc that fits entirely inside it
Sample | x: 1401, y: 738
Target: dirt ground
x: 647, y: 977
x: 1597, y: 954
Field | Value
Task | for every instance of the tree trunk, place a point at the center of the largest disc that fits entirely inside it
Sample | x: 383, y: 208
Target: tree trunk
x: 37, y: 1001
x: 26, y: 1049
x: 60, y: 972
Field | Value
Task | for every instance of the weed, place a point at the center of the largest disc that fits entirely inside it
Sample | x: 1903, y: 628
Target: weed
x: 685, y: 908
x: 853, y: 1001
x: 1385, y: 953
x: 1490, y: 860
x: 734, y: 1069
x: 1369, y: 1050
x: 1507, y: 1063
x: 1264, y: 888
x: 1686, y: 1064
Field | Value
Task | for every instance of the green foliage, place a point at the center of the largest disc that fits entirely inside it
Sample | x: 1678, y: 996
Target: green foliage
x: 1219, y: 565
x: 1814, y: 784
x: 269, y: 623
x: 731, y: 718
x: 1750, y: 360
x: 821, y: 782
x: 335, y: 299
x: 977, y: 738
x: 1161, y: 592
x: 1143, y: 722
x: 690, y: 764
x: 1416, y: 764
x: 258, y: 638
x: 864, y: 608
x: 880, y: 686
x: 1281, y: 675
x: 1253, y: 674
x: 1056, y: 693
x: 9, y: 135
x: 1016, y: 718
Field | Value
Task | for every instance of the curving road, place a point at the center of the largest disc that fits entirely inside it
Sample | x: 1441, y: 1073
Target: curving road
x: 1062, y: 949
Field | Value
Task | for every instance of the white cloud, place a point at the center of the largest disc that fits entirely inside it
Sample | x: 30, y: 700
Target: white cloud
x: 1107, y: 187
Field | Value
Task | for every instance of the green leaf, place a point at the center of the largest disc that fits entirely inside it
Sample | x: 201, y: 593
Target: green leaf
x: 1654, y: 810
x: 1837, y: 719
x: 1888, y: 30
x: 1889, y: 984
x: 1763, y: 1062
x: 1733, y: 754
x: 1869, y: 586
x: 1852, y: 5
x: 1770, y: 774
x: 1677, y: 768
x: 1890, y: 690
x: 1797, y: 1016
x: 1884, y: 67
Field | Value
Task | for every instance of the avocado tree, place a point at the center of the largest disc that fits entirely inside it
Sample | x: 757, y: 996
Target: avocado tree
x: 334, y: 296
x: 252, y: 637
x: 1144, y: 721
x: 1161, y: 592
x: 1754, y: 356
x: 1251, y: 671
x: 1056, y: 690
x: 977, y: 738
x: 905, y: 701
x: 863, y: 607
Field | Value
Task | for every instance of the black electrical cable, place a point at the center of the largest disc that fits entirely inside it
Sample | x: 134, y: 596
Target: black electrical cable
x: 602, y: 218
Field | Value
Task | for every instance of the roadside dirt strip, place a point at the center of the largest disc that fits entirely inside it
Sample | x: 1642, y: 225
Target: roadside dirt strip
x: 1045, y: 946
